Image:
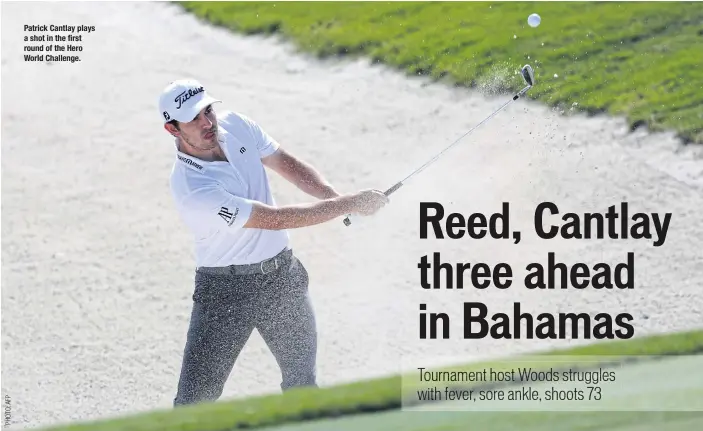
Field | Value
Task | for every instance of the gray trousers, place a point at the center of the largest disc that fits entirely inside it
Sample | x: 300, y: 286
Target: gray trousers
x: 227, y: 308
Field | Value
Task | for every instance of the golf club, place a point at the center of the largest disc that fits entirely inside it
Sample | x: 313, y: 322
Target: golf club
x: 527, y: 76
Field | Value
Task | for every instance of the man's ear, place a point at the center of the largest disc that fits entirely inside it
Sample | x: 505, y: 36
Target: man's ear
x: 170, y: 128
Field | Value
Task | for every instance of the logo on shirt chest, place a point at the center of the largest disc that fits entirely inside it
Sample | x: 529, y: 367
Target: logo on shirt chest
x: 227, y: 215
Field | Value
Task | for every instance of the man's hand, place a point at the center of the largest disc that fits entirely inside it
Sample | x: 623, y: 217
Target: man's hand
x: 367, y: 202
x: 300, y: 174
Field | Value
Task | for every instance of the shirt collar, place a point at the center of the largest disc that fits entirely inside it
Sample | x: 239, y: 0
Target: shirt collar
x: 190, y: 161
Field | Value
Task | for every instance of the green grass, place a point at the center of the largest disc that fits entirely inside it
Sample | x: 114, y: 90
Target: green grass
x: 382, y: 397
x: 642, y: 60
x: 461, y: 421
x: 676, y: 383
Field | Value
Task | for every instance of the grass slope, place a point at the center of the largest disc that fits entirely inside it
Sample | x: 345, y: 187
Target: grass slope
x: 650, y: 395
x: 378, y: 395
x: 643, y: 60
x: 461, y: 421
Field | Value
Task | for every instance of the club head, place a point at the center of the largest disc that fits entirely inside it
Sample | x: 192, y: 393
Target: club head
x: 528, y: 75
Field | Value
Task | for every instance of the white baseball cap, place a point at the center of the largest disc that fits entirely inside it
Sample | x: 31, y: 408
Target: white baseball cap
x: 183, y: 100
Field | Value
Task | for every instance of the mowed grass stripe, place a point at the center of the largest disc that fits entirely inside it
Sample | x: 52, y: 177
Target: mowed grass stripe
x: 659, y: 386
x: 375, y: 395
x: 505, y: 421
x: 643, y: 60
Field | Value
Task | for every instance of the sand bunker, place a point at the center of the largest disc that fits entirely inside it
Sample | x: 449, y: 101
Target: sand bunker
x: 97, y: 269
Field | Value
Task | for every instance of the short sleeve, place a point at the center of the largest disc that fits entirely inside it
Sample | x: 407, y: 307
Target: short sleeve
x: 264, y: 142
x: 239, y: 124
x: 214, y: 206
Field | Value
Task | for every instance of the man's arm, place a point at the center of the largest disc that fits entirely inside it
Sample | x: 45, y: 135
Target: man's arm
x: 302, y: 215
x: 215, y: 206
x: 301, y: 174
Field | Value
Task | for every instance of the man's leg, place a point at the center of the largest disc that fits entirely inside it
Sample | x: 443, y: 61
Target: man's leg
x: 220, y: 326
x: 286, y: 321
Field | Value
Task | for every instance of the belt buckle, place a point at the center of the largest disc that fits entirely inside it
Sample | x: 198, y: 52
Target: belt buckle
x: 275, y: 261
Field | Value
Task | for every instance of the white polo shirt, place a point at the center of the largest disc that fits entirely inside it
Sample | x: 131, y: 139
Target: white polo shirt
x: 214, y: 199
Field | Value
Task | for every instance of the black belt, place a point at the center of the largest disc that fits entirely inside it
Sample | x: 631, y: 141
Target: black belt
x: 264, y: 267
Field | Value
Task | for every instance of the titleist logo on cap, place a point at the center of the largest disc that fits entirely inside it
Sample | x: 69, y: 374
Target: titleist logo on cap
x: 183, y: 97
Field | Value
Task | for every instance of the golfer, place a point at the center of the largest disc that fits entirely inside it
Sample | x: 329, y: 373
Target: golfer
x: 247, y: 276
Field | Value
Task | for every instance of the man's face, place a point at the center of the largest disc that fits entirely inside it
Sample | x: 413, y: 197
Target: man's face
x: 201, y: 132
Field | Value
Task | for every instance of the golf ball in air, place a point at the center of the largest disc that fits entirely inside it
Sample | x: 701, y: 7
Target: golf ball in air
x: 534, y: 20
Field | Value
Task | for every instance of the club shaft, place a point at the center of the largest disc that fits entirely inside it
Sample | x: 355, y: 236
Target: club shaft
x: 399, y: 184
x: 432, y: 160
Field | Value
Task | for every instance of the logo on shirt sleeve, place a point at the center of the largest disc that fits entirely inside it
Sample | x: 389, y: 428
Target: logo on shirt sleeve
x: 227, y: 215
